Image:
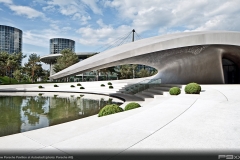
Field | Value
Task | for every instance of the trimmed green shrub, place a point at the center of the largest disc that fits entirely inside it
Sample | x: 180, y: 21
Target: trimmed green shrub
x: 131, y: 105
x: 193, y: 88
x: 79, y: 84
x: 111, y: 87
x: 109, y: 83
x: 109, y: 109
x: 82, y: 88
x: 81, y: 95
x: 40, y: 86
x: 72, y: 86
x: 55, y: 85
x: 40, y: 94
x: 102, y: 85
x: 174, y: 91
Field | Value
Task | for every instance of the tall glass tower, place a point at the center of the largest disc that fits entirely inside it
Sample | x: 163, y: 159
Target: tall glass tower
x: 10, y: 39
x: 58, y: 44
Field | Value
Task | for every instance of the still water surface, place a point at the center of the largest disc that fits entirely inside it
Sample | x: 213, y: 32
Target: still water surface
x: 24, y: 113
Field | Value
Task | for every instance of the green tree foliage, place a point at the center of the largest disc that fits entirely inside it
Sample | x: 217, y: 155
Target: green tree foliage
x: 143, y: 73
x: 3, y: 60
x: 17, y: 74
x: 67, y: 59
x: 125, y: 71
x: 33, y: 67
x: 10, y: 62
x: 44, y: 74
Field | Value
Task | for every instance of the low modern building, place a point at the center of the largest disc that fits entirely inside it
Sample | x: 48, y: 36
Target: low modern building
x: 205, y: 57
x: 51, y: 59
x: 56, y: 46
x: 10, y: 39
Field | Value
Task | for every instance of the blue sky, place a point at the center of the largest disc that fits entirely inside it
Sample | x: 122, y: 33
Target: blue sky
x: 93, y: 23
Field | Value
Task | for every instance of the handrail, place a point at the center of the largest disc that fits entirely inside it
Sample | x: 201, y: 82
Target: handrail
x: 140, y: 86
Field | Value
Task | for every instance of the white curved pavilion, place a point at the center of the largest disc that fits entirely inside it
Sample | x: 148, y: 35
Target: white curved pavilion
x: 179, y: 58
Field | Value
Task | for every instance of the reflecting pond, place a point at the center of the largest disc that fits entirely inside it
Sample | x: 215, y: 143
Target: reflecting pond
x: 28, y: 111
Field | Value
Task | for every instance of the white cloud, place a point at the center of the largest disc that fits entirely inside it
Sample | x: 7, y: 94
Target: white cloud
x: 6, y: 1
x: 84, y: 19
x: 49, y: 8
x: 41, y: 37
x: 92, y: 4
x: 176, y: 15
x: 105, y: 34
x: 74, y: 8
x: 26, y: 11
x: 66, y: 28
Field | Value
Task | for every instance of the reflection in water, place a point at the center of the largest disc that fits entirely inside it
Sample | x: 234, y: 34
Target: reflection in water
x: 10, y: 118
x: 20, y: 114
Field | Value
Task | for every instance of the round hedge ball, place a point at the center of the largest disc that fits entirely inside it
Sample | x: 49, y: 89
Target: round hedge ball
x: 174, y: 91
x: 131, y: 105
x: 193, y: 88
x: 109, y: 109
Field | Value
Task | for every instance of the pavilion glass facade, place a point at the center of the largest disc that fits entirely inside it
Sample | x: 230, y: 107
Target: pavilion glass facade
x: 10, y: 39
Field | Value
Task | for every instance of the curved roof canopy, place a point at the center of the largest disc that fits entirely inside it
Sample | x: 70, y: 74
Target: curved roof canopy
x: 52, y: 57
x: 149, y: 45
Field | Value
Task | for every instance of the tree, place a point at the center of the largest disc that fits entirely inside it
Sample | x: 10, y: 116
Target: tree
x: 134, y: 68
x: 17, y: 74
x: 10, y: 65
x: 9, y: 62
x: 3, y: 60
x: 45, y: 74
x: 33, y: 66
x: 144, y: 73
x: 126, y: 71
x: 67, y: 59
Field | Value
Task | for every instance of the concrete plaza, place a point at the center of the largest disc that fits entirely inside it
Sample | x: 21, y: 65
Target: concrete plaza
x: 208, y: 122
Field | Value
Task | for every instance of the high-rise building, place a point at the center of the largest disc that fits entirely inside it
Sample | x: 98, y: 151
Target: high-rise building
x: 10, y: 39
x: 58, y: 44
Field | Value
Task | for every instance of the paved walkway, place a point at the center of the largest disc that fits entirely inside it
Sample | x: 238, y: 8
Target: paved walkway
x: 208, y: 122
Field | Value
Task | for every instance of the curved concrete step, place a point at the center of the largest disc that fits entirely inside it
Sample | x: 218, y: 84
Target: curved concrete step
x: 151, y: 93
x: 143, y: 96
x: 155, y: 91
x: 162, y: 88
x: 127, y: 97
x: 171, y: 85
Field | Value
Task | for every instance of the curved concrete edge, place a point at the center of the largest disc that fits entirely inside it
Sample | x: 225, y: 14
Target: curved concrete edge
x: 209, y: 121
x: 52, y: 57
x: 93, y: 87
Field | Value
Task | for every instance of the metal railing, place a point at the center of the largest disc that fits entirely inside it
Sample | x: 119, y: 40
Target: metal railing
x: 141, y: 86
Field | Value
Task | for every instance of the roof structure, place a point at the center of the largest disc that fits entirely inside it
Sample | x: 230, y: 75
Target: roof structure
x: 122, y: 54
